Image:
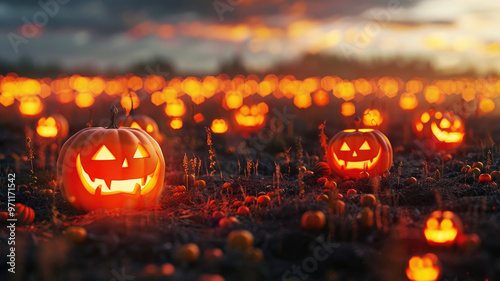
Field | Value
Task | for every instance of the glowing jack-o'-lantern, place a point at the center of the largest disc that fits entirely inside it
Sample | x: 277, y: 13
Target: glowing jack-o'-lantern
x: 101, y: 168
x: 442, y: 228
x: 355, y: 150
x: 142, y: 122
x: 425, y: 268
x: 54, y: 126
x: 445, y: 128
x: 219, y: 126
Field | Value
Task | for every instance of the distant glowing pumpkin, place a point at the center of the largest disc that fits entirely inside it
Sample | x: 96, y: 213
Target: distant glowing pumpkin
x: 355, y: 150
x: 373, y: 117
x: 442, y: 228
x: 102, y: 168
x: 251, y: 118
x: 424, y: 268
x: 219, y: 126
x: 54, y: 126
x: 144, y: 123
x: 445, y: 128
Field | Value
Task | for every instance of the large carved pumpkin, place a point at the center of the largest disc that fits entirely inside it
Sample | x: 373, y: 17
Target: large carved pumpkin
x: 442, y: 228
x: 355, y: 150
x: 444, y: 128
x: 101, y: 168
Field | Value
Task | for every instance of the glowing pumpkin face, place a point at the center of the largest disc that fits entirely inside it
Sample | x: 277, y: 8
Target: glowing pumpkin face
x: 353, y: 151
x: 251, y: 118
x: 445, y: 128
x: 144, y: 123
x: 442, y: 228
x: 111, y: 168
x: 425, y: 268
x: 54, y: 126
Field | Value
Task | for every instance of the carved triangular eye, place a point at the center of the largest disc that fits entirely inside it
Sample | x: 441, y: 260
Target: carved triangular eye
x: 345, y: 147
x: 135, y: 125
x: 149, y: 128
x: 365, y: 146
x: 141, y: 152
x: 103, y: 154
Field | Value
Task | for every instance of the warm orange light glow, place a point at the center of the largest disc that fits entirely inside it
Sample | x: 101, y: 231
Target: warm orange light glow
x: 175, y: 108
x: 176, y: 123
x: 30, y: 106
x: 234, y: 100
x: 153, y: 83
x: 408, y: 101
x: 425, y: 117
x: 425, y: 268
x: 442, y: 228
x: 486, y: 105
x: 219, y: 126
x: 302, y: 100
x: 47, y: 127
x: 348, y: 109
x: 83, y: 100
x: 344, y: 90
x: 321, y: 98
x: 445, y: 136
x: 126, y: 101
x: 251, y: 118
x: 372, y: 118
x: 431, y: 94
x: 198, y: 117
x: 135, y: 83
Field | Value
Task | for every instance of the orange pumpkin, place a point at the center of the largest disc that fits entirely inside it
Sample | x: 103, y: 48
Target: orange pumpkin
x: 442, y: 228
x: 445, y: 128
x: 424, y: 268
x: 54, y: 126
x: 355, y: 150
x: 251, y: 118
x: 24, y: 214
x: 100, y: 168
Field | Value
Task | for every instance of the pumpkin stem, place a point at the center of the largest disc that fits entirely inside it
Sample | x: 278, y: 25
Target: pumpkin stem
x: 357, y: 120
x: 113, y: 111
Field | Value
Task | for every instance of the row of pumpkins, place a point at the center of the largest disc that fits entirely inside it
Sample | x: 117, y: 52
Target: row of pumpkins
x: 124, y: 168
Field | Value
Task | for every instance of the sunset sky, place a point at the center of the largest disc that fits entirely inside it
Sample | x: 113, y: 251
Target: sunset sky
x: 200, y: 35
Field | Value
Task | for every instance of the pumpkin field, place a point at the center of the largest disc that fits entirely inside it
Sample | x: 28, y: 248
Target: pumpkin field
x: 249, y: 178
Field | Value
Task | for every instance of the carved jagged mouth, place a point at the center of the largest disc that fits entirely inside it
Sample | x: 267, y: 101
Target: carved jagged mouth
x: 103, y: 187
x: 361, y: 165
x: 440, y: 236
x: 447, y: 137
